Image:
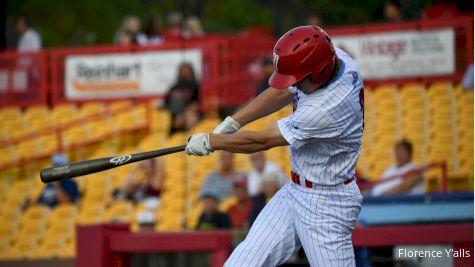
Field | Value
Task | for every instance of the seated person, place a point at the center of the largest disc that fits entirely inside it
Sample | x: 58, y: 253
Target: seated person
x: 412, y: 184
x: 221, y: 181
x: 212, y: 218
x: 270, y: 185
x: 262, y: 167
x: 239, y: 212
x: 146, y: 182
x: 182, y: 99
x: 63, y: 191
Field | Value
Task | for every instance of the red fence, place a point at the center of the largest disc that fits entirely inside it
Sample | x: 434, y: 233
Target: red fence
x: 23, y: 78
x: 113, y: 245
x: 227, y: 80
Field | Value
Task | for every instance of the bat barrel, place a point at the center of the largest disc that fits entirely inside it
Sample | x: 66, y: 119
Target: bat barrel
x: 96, y: 165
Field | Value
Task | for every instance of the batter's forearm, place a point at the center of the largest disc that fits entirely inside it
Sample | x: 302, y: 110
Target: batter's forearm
x: 244, y: 142
x: 268, y: 102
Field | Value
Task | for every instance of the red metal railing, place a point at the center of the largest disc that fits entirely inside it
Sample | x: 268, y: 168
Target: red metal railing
x: 226, y: 79
x: 112, y: 245
x: 23, y: 78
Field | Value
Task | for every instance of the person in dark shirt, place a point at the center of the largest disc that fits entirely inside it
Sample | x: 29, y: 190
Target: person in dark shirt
x: 64, y: 191
x: 239, y: 212
x: 267, y: 69
x: 182, y: 99
x: 270, y: 186
x: 212, y: 218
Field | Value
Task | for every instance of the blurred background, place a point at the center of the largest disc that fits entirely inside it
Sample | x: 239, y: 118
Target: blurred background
x: 89, y: 79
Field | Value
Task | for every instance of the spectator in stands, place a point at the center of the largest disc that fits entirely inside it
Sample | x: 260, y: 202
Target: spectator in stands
x: 64, y: 191
x: 392, y: 11
x: 173, y: 32
x: 314, y: 19
x: 411, y: 184
x: 239, y: 212
x: 150, y: 34
x: 126, y: 38
x: 130, y: 25
x: 221, y: 181
x: 467, y: 81
x: 182, y: 99
x: 30, y: 39
x: 212, y: 218
x: 145, y: 183
x: 193, y: 28
x: 267, y: 68
x: 261, y: 168
x: 270, y: 185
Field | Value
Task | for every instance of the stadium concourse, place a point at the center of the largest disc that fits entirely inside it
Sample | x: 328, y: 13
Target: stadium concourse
x: 435, y: 114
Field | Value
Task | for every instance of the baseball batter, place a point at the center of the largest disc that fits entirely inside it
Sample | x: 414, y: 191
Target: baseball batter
x: 319, y: 209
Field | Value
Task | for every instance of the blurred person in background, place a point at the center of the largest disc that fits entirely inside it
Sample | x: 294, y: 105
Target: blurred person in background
x: 467, y: 81
x: 261, y: 167
x: 392, y: 11
x: 270, y: 185
x: 126, y: 38
x: 413, y: 184
x: 150, y: 34
x: 239, y: 212
x: 212, y: 218
x: 193, y: 28
x: 63, y: 191
x: 182, y: 99
x: 267, y: 68
x: 173, y: 31
x: 144, y: 184
x: 29, y: 39
x: 314, y: 19
x: 130, y: 25
x: 221, y: 181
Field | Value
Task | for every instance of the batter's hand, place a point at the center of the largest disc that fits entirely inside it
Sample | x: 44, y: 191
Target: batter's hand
x: 228, y: 126
x: 199, y: 145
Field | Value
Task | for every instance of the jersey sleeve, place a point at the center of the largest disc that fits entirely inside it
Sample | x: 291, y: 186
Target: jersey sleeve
x: 307, y: 124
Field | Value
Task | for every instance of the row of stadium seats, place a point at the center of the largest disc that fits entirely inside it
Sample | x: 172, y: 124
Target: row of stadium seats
x: 437, y: 119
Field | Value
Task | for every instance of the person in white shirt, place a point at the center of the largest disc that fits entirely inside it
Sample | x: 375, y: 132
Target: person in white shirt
x: 261, y: 168
x: 29, y: 40
x: 413, y: 184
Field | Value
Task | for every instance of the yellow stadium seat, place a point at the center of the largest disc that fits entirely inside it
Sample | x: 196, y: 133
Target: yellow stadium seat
x: 31, y: 230
x: 91, y: 213
x: 49, y: 248
x: 120, y: 212
x: 36, y: 112
x: 63, y: 211
x: 21, y: 248
x: 8, y: 229
x: 35, y: 214
x: 10, y: 113
x: 62, y: 228
x: 91, y: 108
x: 69, y: 251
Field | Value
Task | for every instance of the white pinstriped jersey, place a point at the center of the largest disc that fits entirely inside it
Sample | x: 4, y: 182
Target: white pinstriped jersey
x: 325, y: 131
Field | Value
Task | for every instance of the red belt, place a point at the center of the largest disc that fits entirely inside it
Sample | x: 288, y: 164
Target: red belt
x: 310, y: 184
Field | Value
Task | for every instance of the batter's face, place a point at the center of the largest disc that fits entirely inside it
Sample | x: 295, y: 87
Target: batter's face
x: 306, y: 86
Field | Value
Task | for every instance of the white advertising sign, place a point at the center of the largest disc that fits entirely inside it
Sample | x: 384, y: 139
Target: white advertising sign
x: 108, y: 76
x: 401, y: 54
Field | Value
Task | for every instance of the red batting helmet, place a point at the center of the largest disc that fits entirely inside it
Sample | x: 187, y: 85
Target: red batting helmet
x: 302, y: 51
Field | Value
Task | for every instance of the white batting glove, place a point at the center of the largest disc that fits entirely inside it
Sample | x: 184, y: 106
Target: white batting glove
x: 199, y: 145
x: 228, y: 126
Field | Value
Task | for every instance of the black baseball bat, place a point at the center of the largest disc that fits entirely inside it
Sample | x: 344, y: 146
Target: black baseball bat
x: 79, y: 168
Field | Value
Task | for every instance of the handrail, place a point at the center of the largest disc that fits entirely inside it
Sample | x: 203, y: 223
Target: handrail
x: 436, y: 164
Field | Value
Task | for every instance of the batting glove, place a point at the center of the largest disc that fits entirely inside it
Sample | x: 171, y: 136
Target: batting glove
x: 228, y: 126
x: 199, y: 145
